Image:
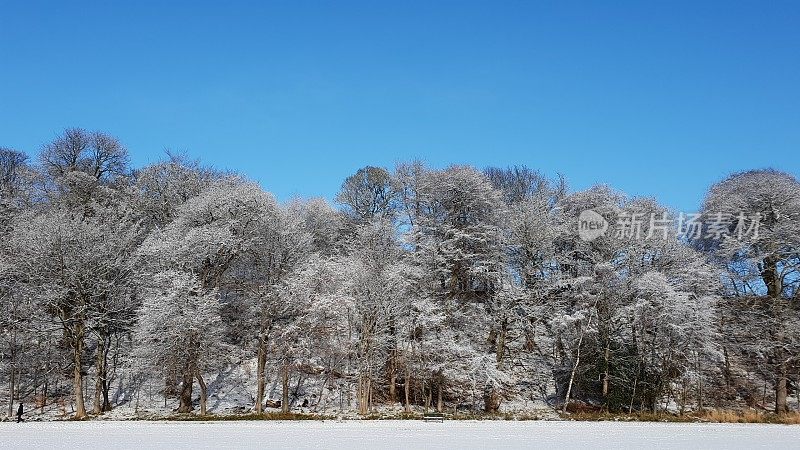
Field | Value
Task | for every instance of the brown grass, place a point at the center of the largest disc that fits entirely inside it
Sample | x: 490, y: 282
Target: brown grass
x: 714, y: 416
x: 251, y: 416
x: 750, y: 416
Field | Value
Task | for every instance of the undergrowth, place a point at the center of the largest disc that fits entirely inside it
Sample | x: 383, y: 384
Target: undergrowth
x: 714, y: 416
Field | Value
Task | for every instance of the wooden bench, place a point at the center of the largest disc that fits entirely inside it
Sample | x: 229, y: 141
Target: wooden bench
x: 433, y: 417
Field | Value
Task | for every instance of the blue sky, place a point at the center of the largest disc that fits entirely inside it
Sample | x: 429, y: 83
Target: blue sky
x: 654, y: 98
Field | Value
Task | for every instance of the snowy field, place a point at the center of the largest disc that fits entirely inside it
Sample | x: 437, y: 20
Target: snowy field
x: 393, y: 434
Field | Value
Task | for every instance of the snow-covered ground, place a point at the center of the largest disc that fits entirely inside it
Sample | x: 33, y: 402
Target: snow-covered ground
x: 394, y: 434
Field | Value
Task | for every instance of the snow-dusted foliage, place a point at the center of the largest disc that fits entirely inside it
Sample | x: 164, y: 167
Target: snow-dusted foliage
x: 180, y: 333
x: 444, y: 288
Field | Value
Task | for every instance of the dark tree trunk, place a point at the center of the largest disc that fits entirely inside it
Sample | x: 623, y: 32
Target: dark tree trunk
x: 11, y: 377
x: 262, y: 364
x: 781, y: 406
x: 491, y: 400
x: 101, y: 402
x: 771, y: 277
x: 393, y: 377
x: 77, y: 376
x: 185, y: 405
x: 439, y: 402
x: 285, y: 392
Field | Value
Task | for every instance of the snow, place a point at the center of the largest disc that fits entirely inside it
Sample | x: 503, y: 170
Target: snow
x: 394, y: 434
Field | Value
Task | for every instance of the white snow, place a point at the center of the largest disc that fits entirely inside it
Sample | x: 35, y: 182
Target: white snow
x: 394, y: 434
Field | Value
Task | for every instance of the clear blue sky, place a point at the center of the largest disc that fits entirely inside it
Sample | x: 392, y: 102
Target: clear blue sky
x: 656, y: 98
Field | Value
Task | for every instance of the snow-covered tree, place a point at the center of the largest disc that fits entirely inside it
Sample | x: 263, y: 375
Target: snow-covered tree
x: 434, y: 288
x: 753, y: 222
x: 180, y: 333
x: 460, y: 231
x: 753, y: 226
x: 79, y: 270
x: 166, y: 185
x: 368, y: 194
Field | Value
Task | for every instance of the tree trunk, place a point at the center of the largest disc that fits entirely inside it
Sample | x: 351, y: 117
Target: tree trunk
x: 100, y: 375
x: 501, y: 342
x: 726, y: 372
x: 439, y: 402
x: 12, y: 372
x: 44, y: 392
x: 426, y: 396
x: 781, y: 369
x: 203, y: 393
x: 11, y: 393
x: 781, y: 406
x: 106, y: 399
x: 407, y: 388
x: 363, y: 394
x: 633, y: 391
x: 106, y: 382
x: 77, y: 377
x: 393, y: 378
x: 491, y: 399
x: 260, y: 374
x: 577, y: 360
x: 185, y: 405
x: 797, y: 392
x: 771, y: 277
x: 606, y: 358
x: 392, y: 364
x: 285, y: 392
x: 572, y: 374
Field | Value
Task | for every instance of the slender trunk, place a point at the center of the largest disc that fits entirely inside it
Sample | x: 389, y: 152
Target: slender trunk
x: 439, y: 402
x: 12, y: 372
x: 203, y: 393
x: 781, y: 406
x: 285, y: 391
x: 392, y: 365
x: 106, y: 399
x: 44, y: 392
x: 426, y: 398
x: 501, y: 342
x: 572, y: 374
x: 781, y: 369
x: 635, y: 384
x: 771, y: 277
x: 11, y: 393
x: 407, y: 388
x: 684, y: 390
x: 797, y: 392
x: 699, y: 382
x: 260, y: 374
x: 393, y: 378
x: 107, y: 379
x: 429, y: 398
x: 727, y: 368
x: 700, y: 403
x: 606, y: 357
x: 77, y: 376
x: 369, y: 394
x: 100, y: 374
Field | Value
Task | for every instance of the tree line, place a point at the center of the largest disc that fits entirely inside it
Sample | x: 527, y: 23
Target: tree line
x: 442, y: 288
